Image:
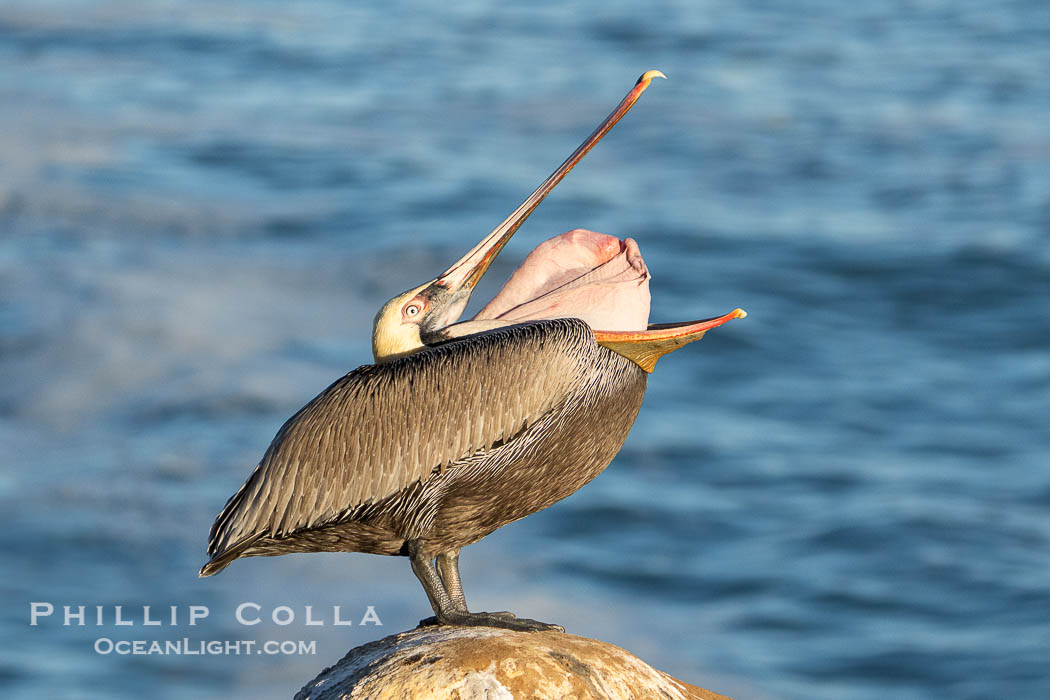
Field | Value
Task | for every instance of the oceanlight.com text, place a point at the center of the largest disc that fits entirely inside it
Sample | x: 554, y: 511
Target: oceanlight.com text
x: 204, y: 647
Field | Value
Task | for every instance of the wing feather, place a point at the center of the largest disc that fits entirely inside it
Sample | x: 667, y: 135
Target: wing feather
x: 381, y: 428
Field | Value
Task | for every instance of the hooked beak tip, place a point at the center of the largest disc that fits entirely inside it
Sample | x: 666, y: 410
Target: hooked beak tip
x: 648, y: 75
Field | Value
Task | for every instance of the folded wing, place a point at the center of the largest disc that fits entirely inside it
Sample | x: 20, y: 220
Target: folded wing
x: 381, y: 428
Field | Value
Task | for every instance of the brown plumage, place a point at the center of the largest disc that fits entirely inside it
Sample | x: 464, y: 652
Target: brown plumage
x: 443, y: 446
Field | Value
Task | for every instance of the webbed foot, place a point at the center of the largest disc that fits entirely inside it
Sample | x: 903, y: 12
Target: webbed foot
x: 503, y: 620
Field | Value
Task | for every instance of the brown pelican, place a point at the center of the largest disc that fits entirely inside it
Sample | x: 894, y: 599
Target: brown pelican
x: 461, y: 428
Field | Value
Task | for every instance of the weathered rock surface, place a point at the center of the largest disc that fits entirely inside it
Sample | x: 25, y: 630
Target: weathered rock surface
x: 478, y: 663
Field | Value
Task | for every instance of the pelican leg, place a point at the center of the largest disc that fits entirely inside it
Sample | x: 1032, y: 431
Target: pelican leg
x: 447, y: 610
x: 448, y: 568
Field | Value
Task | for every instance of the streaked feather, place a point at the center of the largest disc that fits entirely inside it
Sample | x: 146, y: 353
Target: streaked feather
x: 382, y: 428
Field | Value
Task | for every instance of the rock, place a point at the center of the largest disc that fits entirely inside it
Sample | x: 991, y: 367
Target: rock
x: 476, y: 663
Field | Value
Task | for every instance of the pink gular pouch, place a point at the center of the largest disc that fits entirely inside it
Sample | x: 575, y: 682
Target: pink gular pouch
x: 580, y: 274
x: 597, y: 278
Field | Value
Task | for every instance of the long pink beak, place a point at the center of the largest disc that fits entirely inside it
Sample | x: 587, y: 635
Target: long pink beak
x: 465, y: 273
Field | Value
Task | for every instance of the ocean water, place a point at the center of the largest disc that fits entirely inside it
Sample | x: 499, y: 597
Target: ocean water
x: 846, y: 495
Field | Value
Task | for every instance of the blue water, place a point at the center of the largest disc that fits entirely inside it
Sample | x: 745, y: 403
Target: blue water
x: 846, y: 495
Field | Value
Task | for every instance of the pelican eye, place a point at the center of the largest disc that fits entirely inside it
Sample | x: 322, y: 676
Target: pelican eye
x: 412, y: 310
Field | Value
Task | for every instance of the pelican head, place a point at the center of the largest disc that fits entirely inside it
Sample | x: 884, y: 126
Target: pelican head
x: 407, y: 322
x: 414, y: 319
x: 611, y: 271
